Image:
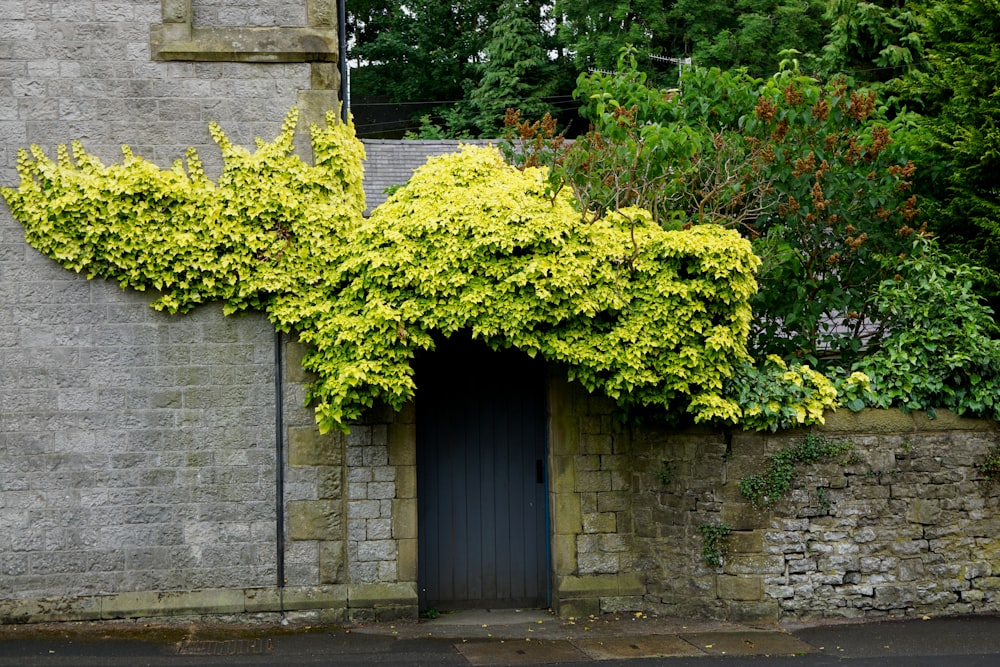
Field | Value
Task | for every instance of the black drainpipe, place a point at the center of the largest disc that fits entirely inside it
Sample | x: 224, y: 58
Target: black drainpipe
x: 279, y: 466
x: 345, y: 86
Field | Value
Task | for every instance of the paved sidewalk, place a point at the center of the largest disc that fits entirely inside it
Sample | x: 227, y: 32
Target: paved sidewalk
x: 515, y: 637
x: 507, y: 637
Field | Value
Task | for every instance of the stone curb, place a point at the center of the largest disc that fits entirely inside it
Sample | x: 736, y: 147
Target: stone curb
x: 335, y: 601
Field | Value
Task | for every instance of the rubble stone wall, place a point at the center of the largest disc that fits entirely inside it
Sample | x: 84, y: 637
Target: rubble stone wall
x: 902, y: 523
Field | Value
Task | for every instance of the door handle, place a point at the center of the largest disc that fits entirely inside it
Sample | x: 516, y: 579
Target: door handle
x: 539, y: 471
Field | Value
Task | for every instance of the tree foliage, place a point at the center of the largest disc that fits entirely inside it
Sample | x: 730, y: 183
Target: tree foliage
x: 943, y: 350
x: 421, y: 50
x: 809, y: 172
x: 594, y: 32
x: 961, y: 95
x: 516, y: 72
x: 873, y: 41
x: 751, y: 34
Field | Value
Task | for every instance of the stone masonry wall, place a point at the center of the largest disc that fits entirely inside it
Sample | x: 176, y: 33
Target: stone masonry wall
x: 351, y: 509
x: 382, y: 516
x: 243, y: 13
x: 901, y: 524
x: 594, y: 564
x: 137, y: 449
x: 908, y: 526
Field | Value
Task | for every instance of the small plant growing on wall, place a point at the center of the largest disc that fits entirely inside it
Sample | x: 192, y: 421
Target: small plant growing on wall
x: 716, y: 543
x: 665, y: 473
x: 990, y: 468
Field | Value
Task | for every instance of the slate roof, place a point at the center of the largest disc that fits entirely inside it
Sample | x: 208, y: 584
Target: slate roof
x: 391, y: 162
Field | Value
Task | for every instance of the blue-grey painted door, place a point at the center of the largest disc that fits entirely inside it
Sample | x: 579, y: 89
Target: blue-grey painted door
x: 481, y: 492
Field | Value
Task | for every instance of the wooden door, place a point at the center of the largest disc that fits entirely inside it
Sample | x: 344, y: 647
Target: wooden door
x: 481, y: 492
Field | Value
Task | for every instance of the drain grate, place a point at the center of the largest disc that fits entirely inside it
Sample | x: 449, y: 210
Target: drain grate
x: 228, y: 647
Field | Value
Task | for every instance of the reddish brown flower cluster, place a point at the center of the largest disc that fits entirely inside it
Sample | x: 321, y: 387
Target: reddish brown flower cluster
x: 910, y: 211
x: 779, y: 132
x: 793, y: 96
x: 821, y: 110
x: 765, y: 109
x: 855, y: 242
x: 820, y: 202
x: 626, y: 117
x: 804, y: 166
x: 905, y: 171
x: 861, y: 105
x: 535, y: 137
x: 880, y: 139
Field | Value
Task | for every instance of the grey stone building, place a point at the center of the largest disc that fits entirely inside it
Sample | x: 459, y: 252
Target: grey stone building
x: 158, y: 465
x: 137, y: 450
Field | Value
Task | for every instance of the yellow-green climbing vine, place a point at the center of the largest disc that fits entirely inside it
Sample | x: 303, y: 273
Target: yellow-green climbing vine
x: 644, y: 315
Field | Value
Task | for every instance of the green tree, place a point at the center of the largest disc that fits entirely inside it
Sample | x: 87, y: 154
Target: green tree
x: 811, y: 173
x: 872, y: 41
x: 419, y: 50
x: 751, y: 33
x: 595, y: 31
x: 961, y: 94
x: 942, y: 350
x: 517, y: 72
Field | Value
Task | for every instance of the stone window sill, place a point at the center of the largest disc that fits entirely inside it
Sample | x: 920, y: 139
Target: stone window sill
x: 183, y: 42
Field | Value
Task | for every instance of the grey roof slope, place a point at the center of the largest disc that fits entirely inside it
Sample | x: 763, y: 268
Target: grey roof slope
x: 391, y: 162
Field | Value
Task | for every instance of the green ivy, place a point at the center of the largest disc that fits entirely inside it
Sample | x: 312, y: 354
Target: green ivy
x: 266, y: 228
x: 765, y: 489
x: 990, y: 468
x: 644, y: 315
x: 715, y: 545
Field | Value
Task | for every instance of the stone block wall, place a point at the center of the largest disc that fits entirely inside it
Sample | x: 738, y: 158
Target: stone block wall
x: 315, y: 500
x: 350, y: 508
x: 241, y: 13
x: 382, y: 516
x: 137, y: 450
x: 906, y: 526
x: 594, y: 563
